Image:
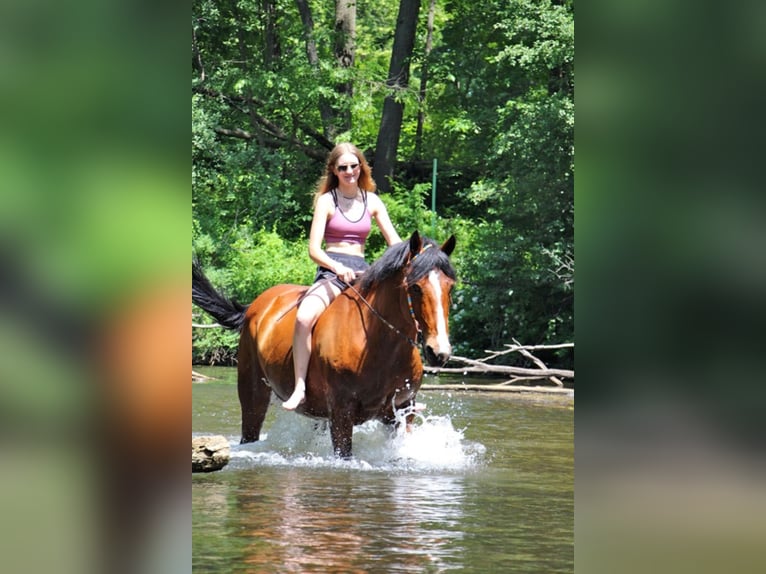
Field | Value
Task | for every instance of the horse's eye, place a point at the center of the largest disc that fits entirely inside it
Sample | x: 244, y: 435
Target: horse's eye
x: 416, y: 289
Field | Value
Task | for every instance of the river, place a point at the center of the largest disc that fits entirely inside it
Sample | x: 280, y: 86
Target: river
x: 483, y: 483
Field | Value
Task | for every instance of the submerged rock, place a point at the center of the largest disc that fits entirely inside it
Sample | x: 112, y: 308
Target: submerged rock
x: 209, y: 453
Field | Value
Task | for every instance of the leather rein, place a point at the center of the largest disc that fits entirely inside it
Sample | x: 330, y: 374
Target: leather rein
x: 386, y: 322
x: 409, y: 305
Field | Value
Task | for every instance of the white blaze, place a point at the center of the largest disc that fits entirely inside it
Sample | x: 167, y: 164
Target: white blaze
x: 442, y: 340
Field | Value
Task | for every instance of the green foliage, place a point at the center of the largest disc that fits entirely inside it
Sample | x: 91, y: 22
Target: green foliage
x: 514, y: 96
x: 253, y: 262
x: 408, y: 209
x: 264, y: 259
x: 213, y: 346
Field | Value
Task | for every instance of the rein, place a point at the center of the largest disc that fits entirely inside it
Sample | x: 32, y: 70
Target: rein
x: 409, y: 305
x: 385, y: 321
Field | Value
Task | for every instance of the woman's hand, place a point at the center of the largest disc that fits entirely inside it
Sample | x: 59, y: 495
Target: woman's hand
x: 345, y: 273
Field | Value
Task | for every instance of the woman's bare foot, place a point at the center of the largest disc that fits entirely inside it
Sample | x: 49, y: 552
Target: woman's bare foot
x: 298, y: 396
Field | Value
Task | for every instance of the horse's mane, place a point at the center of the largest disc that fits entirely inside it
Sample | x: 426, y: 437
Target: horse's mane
x: 395, y: 258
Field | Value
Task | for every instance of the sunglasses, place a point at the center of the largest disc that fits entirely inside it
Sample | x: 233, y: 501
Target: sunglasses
x: 348, y: 167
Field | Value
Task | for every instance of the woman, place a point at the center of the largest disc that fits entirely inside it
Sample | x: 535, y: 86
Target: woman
x: 344, y: 205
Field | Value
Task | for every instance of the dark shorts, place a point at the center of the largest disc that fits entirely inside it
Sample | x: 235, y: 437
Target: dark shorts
x: 355, y: 262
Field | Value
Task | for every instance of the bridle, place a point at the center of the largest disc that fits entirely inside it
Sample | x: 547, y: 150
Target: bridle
x: 418, y: 330
x: 386, y: 322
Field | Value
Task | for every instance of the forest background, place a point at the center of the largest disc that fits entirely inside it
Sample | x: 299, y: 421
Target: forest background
x: 484, y: 88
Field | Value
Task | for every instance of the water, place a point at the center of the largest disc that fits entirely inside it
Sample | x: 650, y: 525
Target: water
x: 482, y: 484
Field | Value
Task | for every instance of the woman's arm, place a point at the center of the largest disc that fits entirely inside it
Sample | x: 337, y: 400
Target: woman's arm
x: 316, y: 235
x: 380, y: 213
x: 322, y: 213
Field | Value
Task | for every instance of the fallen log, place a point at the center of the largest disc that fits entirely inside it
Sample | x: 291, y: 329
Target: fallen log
x: 199, y: 377
x: 477, y: 367
x: 517, y: 374
x: 499, y: 388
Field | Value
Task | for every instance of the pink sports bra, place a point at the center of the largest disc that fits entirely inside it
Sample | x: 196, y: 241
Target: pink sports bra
x: 339, y: 228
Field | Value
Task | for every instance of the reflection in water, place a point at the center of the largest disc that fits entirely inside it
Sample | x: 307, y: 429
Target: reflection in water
x: 427, y: 515
x: 381, y: 523
x: 495, y: 496
x: 309, y: 512
x: 302, y: 529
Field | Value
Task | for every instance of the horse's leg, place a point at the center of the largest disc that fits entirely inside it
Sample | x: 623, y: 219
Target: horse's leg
x: 341, y: 429
x: 254, y: 397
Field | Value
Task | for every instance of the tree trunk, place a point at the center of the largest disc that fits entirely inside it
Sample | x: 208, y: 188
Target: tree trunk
x: 244, y: 41
x: 272, y: 49
x: 393, y: 107
x: 424, y: 81
x: 517, y: 374
x: 197, y: 57
x: 334, y: 119
x: 345, y: 49
x: 325, y: 109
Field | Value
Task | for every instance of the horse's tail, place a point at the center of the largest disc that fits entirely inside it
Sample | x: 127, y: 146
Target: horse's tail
x: 228, y: 312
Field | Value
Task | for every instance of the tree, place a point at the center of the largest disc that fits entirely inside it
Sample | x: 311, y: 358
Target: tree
x: 424, y: 80
x: 513, y: 96
x: 275, y: 83
x: 345, y: 47
x: 397, y: 82
x: 336, y: 119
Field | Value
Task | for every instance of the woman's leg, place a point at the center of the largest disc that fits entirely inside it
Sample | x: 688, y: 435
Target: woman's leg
x: 312, y: 306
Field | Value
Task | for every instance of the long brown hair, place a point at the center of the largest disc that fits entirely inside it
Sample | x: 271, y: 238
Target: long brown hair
x: 329, y: 180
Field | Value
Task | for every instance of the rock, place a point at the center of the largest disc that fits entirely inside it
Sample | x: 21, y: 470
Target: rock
x: 209, y: 453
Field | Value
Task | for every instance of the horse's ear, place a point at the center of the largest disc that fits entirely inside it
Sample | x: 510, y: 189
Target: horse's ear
x: 449, y: 246
x: 415, y: 243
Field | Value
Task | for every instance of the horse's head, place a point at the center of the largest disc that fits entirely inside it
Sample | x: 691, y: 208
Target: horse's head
x: 429, y: 278
x: 420, y: 277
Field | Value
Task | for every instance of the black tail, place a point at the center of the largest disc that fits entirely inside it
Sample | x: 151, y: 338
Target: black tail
x: 228, y: 312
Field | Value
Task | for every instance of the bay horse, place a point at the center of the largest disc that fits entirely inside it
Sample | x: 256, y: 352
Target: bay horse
x: 364, y: 362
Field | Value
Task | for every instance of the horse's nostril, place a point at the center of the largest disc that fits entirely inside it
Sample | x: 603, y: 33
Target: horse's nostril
x: 436, y: 359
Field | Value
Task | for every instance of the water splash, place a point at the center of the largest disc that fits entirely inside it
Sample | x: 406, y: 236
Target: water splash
x: 432, y: 443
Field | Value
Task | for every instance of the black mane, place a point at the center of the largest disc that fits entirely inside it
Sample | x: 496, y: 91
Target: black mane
x: 395, y: 258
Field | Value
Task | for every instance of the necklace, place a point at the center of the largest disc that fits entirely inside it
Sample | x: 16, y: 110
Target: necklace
x: 348, y: 206
x: 351, y: 199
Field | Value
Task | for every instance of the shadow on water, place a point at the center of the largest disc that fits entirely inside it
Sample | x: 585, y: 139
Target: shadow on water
x: 482, y: 484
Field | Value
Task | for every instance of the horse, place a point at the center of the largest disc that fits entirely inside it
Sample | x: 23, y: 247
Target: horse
x: 365, y: 363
